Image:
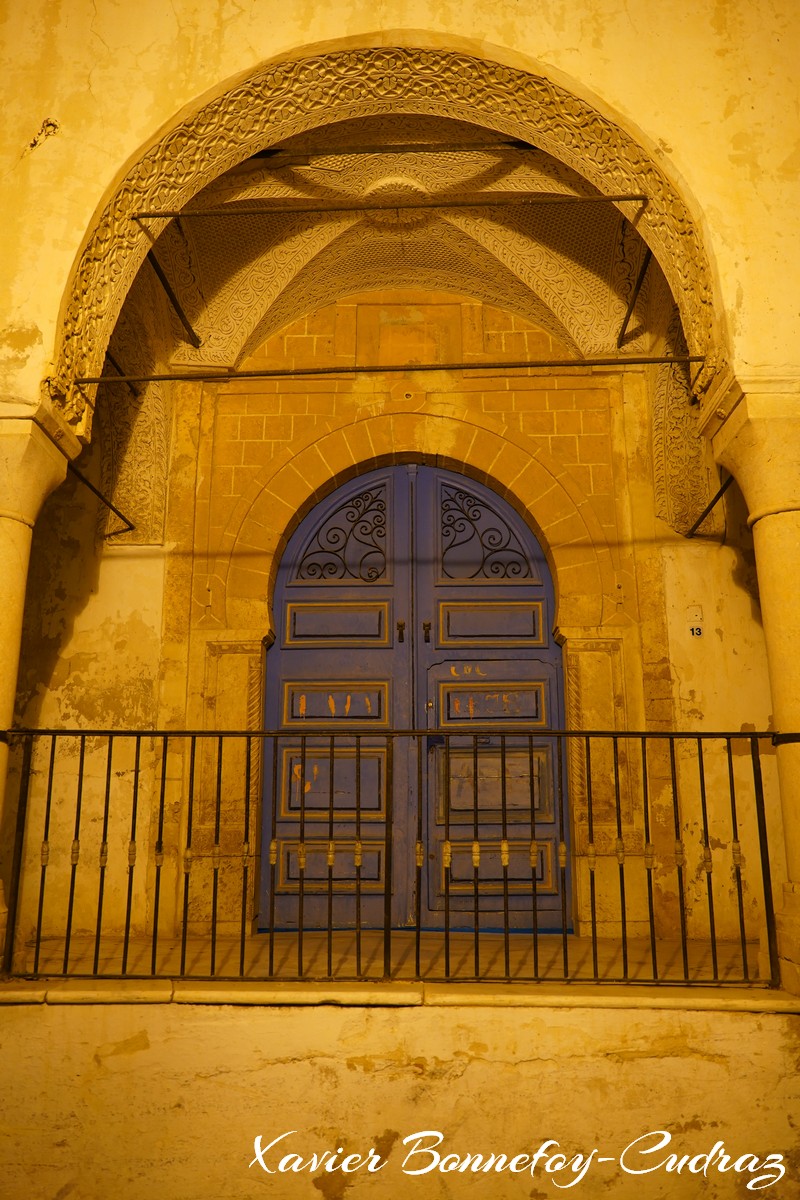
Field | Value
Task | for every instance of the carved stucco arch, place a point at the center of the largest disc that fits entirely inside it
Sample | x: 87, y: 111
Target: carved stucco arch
x: 536, y: 487
x: 289, y: 97
x: 275, y: 288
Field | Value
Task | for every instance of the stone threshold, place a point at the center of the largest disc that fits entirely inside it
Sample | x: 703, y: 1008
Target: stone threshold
x: 398, y: 995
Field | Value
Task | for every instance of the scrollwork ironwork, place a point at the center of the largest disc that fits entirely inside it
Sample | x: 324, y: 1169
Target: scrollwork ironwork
x: 476, y: 542
x: 351, y: 543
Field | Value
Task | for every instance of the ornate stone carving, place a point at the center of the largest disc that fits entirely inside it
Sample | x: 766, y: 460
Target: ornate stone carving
x: 582, y: 261
x: 571, y: 749
x: 255, y: 705
x: 253, y: 287
x: 538, y: 263
x: 290, y: 97
x: 332, y: 177
x: 578, y: 296
x: 569, y: 255
x: 177, y: 257
x: 625, y: 266
x: 680, y: 452
x: 440, y: 257
x: 134, y: 428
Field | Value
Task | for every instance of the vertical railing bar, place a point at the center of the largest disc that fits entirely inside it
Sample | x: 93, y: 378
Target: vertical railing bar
x: 649, y: 860
x: 331, y: 849
x: 215, y: 857
x: 248, y: 775
x: 447, y: 852
x: 620, y: 850
x: 712, y: 930
x: 45, y: 857
x: 534, y: 859
x: 388, y: 859
x: 676, y: 817
x: 137, y: 758
x: 562, y: 854
x: 159, y: 851
x: 419, y: 861
x: 187, y: 858
x: 357, y: 856
x: 301, y: 862
x: 504, y: 857
x: 75, y: 853
x: 103, y: 856
x: 273, y: 850
x: 737, y: 860
x: 591, y: 855
x: 476, y: 858
x: 766, y: 873
x: 15, y: 879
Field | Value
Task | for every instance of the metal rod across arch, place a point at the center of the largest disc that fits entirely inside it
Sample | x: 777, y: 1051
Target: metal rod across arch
x: 223, y: 376
x: 485, y: 200
x: 300, y: 157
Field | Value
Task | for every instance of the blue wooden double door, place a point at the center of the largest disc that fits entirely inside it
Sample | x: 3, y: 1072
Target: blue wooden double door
x: 413, y: 681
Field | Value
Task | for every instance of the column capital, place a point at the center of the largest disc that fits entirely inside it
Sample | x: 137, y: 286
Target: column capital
x: 31, y: 467
x: 756, y: 436
x: 729, y: 389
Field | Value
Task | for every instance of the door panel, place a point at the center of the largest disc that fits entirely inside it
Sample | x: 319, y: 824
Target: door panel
x: 413, y: 599
x: 492, y: 796
x: 344, y: 624
x: 507, y: 623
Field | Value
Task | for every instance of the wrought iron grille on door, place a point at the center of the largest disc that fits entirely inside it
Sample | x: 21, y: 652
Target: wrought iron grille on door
x: 413, y: 599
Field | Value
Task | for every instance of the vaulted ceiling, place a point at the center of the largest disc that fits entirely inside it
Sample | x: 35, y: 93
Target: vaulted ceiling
x: 570, y: 267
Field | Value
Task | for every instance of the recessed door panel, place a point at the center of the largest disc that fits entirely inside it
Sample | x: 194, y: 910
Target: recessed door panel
x: 509, y: 623
x: 346, y: 624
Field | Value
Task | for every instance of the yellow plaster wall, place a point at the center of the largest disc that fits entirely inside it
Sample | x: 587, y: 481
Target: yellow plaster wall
x: 709, y: 91
x: 500, y: 1079
x: 93, y: 625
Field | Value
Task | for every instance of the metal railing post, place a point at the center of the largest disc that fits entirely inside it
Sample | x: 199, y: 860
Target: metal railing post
x: 15, y: 880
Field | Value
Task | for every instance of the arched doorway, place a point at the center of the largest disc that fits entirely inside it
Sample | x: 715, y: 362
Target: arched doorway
x: 414, y: 599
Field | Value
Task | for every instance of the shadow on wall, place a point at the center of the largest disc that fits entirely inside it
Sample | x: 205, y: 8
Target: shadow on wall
x: 739, y: 536
x: 63, y: 574
x: 99, y: 669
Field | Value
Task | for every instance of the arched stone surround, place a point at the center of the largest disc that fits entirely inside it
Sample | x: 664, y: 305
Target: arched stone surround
x: 289, y: 97
x: 537, y: 487
x: 601, y: 643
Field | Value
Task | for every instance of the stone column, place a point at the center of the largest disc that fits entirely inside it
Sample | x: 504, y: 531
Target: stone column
x: 31, y: 466
x: 756, y: 436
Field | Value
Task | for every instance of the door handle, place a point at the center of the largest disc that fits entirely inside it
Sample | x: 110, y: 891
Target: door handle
x: 401, y: 631
x: 426, y: 630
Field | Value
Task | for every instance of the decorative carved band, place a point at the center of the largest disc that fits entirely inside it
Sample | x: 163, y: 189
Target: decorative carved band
x: 681, y: 455
x: 290, y: 97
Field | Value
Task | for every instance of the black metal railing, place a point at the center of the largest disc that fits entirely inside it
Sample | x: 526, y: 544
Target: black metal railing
x: 509, y: 854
